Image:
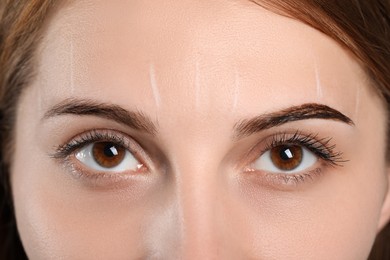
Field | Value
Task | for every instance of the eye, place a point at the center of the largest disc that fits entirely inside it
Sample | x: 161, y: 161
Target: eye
x: 107, y: 157
x: 286, y: 159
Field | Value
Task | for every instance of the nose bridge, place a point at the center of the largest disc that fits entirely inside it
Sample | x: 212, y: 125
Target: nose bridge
x: 197, y: 193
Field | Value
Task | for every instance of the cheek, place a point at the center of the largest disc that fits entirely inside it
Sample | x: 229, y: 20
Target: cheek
x: 336, y: 218
x: 56, y: 219
x: 60, y: 218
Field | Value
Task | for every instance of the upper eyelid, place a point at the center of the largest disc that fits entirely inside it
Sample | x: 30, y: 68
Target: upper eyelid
x: 299, y: 138
x: 266, y: 143
x: 81, y: 140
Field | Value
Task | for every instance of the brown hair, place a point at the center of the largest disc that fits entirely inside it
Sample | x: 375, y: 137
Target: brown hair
x: 360, y: 26
x: 21, y: 23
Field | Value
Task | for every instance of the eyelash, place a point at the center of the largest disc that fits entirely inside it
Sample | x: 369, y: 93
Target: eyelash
x: 321, y: 147
x: 65, y: 151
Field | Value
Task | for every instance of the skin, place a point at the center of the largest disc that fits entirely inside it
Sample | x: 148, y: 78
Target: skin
x: 196, y: 68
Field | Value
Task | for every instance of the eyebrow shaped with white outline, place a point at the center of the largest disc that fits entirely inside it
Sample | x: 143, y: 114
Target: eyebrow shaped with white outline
x: 306, y: 111
x: 88, y: 107
x: 139, y: 121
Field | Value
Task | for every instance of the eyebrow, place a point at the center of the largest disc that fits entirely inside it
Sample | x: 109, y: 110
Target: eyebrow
x: 246, y: 127
x: 87, y: 107
x: 254, y: 125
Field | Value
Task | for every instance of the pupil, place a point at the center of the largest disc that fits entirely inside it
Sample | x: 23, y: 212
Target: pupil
x: 286, y: 154
x: 110, y: 150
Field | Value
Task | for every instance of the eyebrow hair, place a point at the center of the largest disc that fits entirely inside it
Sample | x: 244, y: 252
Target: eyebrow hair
x: 84, y: 107
x: 251, y: 126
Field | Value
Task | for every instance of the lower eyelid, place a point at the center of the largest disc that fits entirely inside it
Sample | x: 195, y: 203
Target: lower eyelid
x: 103, y: 180
x: 296, y: 179
x: 283, y: 181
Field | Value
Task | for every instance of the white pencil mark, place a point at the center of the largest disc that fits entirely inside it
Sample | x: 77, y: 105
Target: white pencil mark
x: 71, y: 64
x: 318, y: 83
x: 357, y: 103
x: 236, y: 90
x: 153, y: 83
x: 39, y: 100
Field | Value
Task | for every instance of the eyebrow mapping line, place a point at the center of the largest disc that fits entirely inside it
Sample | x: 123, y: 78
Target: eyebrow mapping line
x: 296, y: 113
x: 71, y: 58
x: 318, y: 82
x: 153, y: 83
x: 87, y: 107
x: 357, y: 102
x: 236, y: 89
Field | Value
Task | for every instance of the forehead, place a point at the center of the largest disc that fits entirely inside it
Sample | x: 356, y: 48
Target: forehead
x: 197, y: 54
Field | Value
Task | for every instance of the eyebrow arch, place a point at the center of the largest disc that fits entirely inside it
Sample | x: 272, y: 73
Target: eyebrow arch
x: 88, y: 107
x: 251, y: 126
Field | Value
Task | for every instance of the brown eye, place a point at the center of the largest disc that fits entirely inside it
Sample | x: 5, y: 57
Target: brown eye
x: 108, y: 155
x: 287, y: 157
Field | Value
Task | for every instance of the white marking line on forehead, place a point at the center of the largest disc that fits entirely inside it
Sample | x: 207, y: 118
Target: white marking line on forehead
x: 197, y: 85
x: 38, y: 94
x: 153, y: 84
x: 357, y: 103
x: 236, y: 89
x: 318, y: 83
x: 71, y: 64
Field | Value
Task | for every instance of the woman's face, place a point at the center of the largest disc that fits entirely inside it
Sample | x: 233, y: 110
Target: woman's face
x: 196, y: 130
